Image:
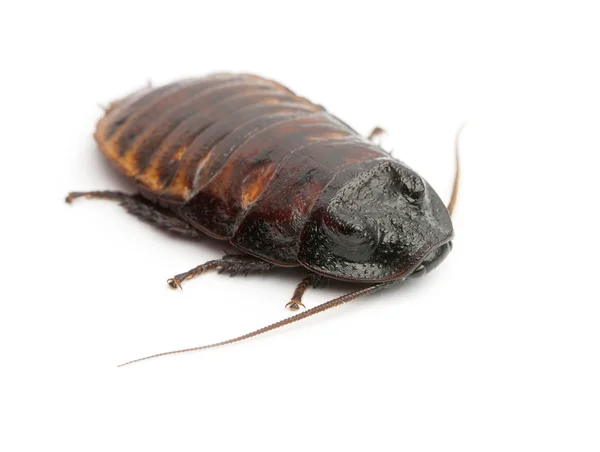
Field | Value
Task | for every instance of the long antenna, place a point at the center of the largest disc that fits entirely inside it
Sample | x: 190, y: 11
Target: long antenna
x: 456, y: 184
x: 310, y: 312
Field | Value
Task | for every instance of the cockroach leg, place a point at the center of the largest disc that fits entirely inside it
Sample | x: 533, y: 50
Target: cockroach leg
x: 175, y: 281
x: 309, y: 280
x: 296, y: 302
x: 144, y: 210
x: 231, y: 264
x: 376, y: 134
x: 105, y: 194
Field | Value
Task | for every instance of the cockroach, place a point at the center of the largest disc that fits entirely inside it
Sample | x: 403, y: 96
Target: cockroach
x: 242, y: 158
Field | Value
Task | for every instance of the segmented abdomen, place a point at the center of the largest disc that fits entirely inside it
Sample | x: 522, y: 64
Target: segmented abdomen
x: 218, y: 145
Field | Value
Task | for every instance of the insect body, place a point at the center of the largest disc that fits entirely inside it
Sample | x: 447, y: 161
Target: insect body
x: 243, y: 159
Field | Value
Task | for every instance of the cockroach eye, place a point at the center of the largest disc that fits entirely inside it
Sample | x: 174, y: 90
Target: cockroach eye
x: 413, y: 189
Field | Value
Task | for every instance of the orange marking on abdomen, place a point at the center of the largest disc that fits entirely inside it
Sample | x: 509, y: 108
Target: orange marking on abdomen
x: 254, y: 184
x: 177, y: 142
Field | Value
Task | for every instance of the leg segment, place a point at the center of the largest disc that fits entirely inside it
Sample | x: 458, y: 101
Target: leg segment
x: 376, y: 133
x: 105, y: 194
x: 144, y: 210
x: 309, y: 280
x: 230, y: 263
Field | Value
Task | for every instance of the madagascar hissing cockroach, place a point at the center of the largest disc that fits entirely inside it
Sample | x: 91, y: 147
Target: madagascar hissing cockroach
x: 244, y: 159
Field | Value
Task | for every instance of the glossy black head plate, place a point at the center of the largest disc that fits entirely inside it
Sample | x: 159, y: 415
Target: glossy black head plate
x: 378, y: 226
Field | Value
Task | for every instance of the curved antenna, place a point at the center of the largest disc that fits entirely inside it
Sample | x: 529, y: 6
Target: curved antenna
x: 310, y: 312
x: 456, y: 184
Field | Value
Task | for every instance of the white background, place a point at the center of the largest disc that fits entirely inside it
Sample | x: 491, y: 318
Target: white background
x: 496, y: 350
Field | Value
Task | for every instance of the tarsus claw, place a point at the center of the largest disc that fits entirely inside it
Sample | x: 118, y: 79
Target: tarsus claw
x: 174, y: 283
x: 295, y: 305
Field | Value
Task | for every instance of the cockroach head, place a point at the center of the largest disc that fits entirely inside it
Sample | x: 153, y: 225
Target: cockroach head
x: 385, y: 224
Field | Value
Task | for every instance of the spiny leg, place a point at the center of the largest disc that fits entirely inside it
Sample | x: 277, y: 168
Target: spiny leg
x: 230, y: 263
x: 309, y: 280
x: 104, y: 194
x: 144, y: 210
